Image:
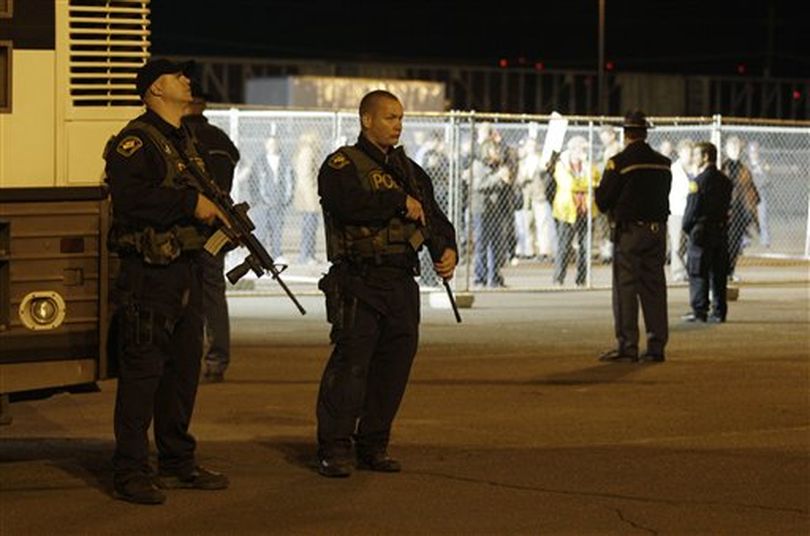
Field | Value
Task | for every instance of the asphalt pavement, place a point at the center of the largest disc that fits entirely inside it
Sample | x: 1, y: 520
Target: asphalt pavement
x: 509, y: 426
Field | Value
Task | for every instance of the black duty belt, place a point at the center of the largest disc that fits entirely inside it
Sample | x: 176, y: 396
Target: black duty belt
x: 397, y: 261
x: 653, y: 226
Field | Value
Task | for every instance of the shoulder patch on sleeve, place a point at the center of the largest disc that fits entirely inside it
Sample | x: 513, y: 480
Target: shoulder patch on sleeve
x: 129, y: 145
x: 693, y: 187
x: 610, y: 165
x: 338, y: 161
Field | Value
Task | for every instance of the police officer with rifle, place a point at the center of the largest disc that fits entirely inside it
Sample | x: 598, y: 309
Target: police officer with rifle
x: 165, y: 206
x: 379, y: 210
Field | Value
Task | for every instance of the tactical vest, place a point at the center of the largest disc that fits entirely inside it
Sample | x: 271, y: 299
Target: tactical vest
x: 165, y: 246
x: 365, y: 242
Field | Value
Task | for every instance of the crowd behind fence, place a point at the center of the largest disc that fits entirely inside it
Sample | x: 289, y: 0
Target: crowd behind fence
x: 517, y: 227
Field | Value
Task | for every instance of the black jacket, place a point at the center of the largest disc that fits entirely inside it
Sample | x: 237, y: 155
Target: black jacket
x: 345, y: 199
x: 216, y: 148
x: 708, y: 201
x: 635, y: 185
x: 135, y: 170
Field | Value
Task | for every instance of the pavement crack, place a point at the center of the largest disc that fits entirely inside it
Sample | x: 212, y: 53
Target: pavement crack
x: 618, y: 496
x: 633, y: 523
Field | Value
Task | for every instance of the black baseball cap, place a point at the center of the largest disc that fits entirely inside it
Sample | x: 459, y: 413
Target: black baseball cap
x: 154, y: 69
x: 636, y: 119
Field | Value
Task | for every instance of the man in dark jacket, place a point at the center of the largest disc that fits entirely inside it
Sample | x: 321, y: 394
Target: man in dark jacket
x: 220, y: 156
x: 634, y: 192
x: 706, y: 223
x: 379, y: 209
x: 744, y: 202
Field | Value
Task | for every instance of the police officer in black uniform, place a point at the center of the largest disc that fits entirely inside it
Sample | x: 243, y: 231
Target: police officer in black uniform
x: 379, y: 209
x: 160, y: 223
x: 706, y: 223
x: 634, y: 192
x: 220, y: 156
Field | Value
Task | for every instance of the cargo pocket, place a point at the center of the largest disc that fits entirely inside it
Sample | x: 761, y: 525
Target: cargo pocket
x: 695, y: 262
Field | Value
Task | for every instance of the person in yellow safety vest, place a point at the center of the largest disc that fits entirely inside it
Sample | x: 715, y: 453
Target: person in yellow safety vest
x: 571, y: 207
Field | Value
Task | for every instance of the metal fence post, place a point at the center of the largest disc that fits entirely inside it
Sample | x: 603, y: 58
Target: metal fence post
x: 807, y: 233
x: 716, y: 136
x: 589, y: 232
x: 233, y: 125
x: 453, y: 176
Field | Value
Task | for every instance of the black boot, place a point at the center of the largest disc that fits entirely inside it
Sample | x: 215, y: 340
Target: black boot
x: 199, y: 478
x: 378, y: 461
x: 333, y: 467
x: 137, y: 488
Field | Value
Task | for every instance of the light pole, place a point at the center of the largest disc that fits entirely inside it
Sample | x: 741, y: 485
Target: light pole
x: 600, y: 86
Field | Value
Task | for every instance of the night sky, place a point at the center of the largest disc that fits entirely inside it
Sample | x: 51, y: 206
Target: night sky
x: 682, y: 36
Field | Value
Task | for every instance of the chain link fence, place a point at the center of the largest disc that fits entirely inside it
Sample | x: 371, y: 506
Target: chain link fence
x: 516, y: 228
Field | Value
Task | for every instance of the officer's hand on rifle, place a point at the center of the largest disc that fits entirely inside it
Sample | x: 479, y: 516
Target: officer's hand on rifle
x: 208, y: 212
x: 413, y: 210
x: 446, y: 265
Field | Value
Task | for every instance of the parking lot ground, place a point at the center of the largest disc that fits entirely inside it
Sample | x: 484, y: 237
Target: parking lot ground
x: 509, y: 426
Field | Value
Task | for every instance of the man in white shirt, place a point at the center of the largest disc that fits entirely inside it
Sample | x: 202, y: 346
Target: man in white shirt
x: 682, y: 172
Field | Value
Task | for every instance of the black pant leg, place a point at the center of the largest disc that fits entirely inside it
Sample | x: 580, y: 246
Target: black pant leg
x: 215, y: 306
x: 139, y: 371
x: 343, y: 383
x: 143, y: 355
x: 390, y: 368
x: 698, y: 279
x: 652, y: 288
x: 626, y: 266
x: 177, y: 392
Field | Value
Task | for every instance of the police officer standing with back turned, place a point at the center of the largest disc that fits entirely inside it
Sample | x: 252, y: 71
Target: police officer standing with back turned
x: 160, y: 222
x: 220, y: 156
x: 379, y: 209
x: 705, y: 221
x: 634, y: 192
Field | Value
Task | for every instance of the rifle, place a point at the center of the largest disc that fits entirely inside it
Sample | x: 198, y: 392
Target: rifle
x: 238, y: 233
x: 452, y: 300
x: 416, y: 189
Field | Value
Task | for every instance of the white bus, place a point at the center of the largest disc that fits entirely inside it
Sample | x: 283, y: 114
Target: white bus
x: 67, y: 71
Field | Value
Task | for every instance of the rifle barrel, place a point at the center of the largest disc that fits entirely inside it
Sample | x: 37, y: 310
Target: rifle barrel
x: 452, y: 300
